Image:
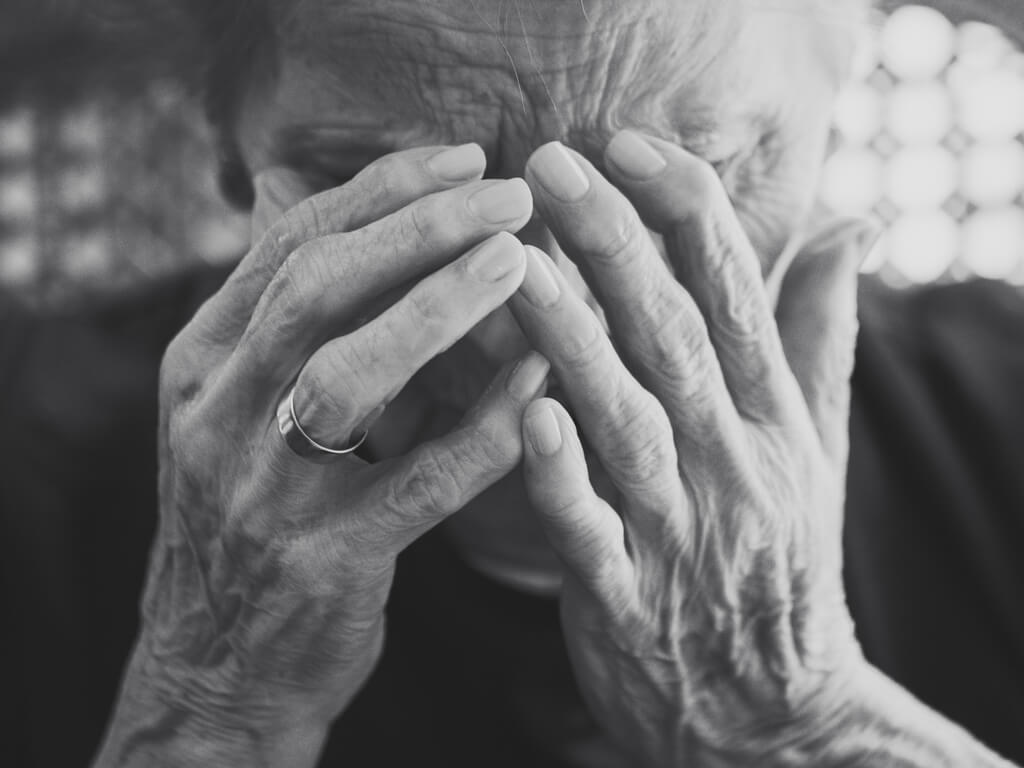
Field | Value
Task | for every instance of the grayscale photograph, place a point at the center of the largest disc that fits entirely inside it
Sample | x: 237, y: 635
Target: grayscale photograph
x: 512, y: 383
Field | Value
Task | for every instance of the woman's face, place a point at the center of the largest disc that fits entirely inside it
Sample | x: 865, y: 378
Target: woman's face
x: 749, y: 91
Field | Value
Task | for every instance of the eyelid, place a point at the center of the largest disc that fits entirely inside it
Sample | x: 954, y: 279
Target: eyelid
x: 319, y: 178
x: 334, y: 164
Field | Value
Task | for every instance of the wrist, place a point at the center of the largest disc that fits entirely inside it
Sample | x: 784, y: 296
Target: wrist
x: 164, y: 718
x: 879, y: 723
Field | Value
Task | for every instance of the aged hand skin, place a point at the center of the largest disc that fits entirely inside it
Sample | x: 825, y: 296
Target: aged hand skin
x: 704, y: 606
x: 263, y: 610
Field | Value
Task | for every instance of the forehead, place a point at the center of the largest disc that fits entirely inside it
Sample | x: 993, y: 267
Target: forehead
x: 554, y: 31
x: 378, y: 75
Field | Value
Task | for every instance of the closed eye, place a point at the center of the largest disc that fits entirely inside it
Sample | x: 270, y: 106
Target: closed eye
x: 326, y: 157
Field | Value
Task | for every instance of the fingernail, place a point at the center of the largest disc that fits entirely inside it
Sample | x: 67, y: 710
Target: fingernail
x: 540, y: 286
x: 559, y: 173
x: 495, y: 258
x: 528, y: 376
x: 458, y: 163
x: 543, y: 432
x: 502, y: 201
x: 635, y: 157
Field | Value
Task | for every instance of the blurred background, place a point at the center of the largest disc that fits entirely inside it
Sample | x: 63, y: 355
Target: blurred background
x: 108, y: 173
x: 107, y: 167
x: 929, y: 138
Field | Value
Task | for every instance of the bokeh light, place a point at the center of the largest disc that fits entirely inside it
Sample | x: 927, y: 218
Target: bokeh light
x: 919, y: 113
x: 859, y: 113
x: 105, y: 193
x: 852, y: 181
x: 993, y: 174
x: 88, y: 254
x: 18, y: 196
x: 82, y: 189
x: 923, y: 245
x: 19, y: 259
x: 921, y: 178
x: 82, y: 130
x: 917, y: 42
x: 993, y: 242
x: 929, y: 139
x: 990, y: 105
x: 17, y: 133
x: 981, y: 46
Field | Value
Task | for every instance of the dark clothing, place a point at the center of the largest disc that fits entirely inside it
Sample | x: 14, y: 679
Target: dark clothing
x: 474, y: 674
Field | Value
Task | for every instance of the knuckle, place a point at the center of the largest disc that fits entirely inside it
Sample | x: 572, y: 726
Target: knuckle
x: 739, y: 322
x: 427, y: 307
x: 573, y: 520
x: 305, y: 220
x: 174, y: 372
x: 296, y: 288
x: 620, y: 240
x: 193, y: 442
x: 427, y: 489
x: 713, y: 249
x: 488, y: 448
x: 328, y: 398
x: 587, y: 349
x: 678, y: 347
x: 284, y: 290
x: 391, y: 176
x: 283, y: 237
x: 181, y: 372
x: 691, y: 370
x: 647, y: 448
x: 424, y: 221
x: 249, y: 538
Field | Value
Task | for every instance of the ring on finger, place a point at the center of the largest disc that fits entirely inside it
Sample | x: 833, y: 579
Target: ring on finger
x: 299, y: 441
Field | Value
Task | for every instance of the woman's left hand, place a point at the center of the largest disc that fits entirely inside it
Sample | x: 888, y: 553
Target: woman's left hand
x: 704, y: 606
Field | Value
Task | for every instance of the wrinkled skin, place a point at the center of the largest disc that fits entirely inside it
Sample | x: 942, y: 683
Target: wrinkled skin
x: 703, y: 607
x: 264, y: 605
x: 703, y: 602
x: 359, y: 79
x: 746, y: 91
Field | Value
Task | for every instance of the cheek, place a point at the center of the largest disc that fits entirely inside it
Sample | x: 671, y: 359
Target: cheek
x: 774, y: 191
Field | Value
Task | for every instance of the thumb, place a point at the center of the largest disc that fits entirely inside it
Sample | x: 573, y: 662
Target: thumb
x: 277, y: 190
x: 817, y: 318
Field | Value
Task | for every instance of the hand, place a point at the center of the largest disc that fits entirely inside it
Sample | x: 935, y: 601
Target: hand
x: 270, y: 573
x: 704, y: 606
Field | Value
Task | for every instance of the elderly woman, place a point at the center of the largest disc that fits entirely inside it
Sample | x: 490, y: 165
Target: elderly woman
x: 459, y: 208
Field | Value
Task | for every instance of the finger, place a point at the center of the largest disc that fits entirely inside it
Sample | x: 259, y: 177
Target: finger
x: 656, y: 323
x: 681, y: 195
x: 583, y: 529
x: 624, y: 423
x: 278, y: 189
x: 328, y: 283
x: 438, y: 478
x: 817, y: 318
x: 383, y: 187
x: 350, y: 378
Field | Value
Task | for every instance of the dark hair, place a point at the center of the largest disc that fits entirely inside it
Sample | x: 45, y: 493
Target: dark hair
x: 239, y: 42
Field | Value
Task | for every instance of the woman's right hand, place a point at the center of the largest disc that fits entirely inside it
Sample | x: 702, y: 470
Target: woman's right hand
x: 269, y: 575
